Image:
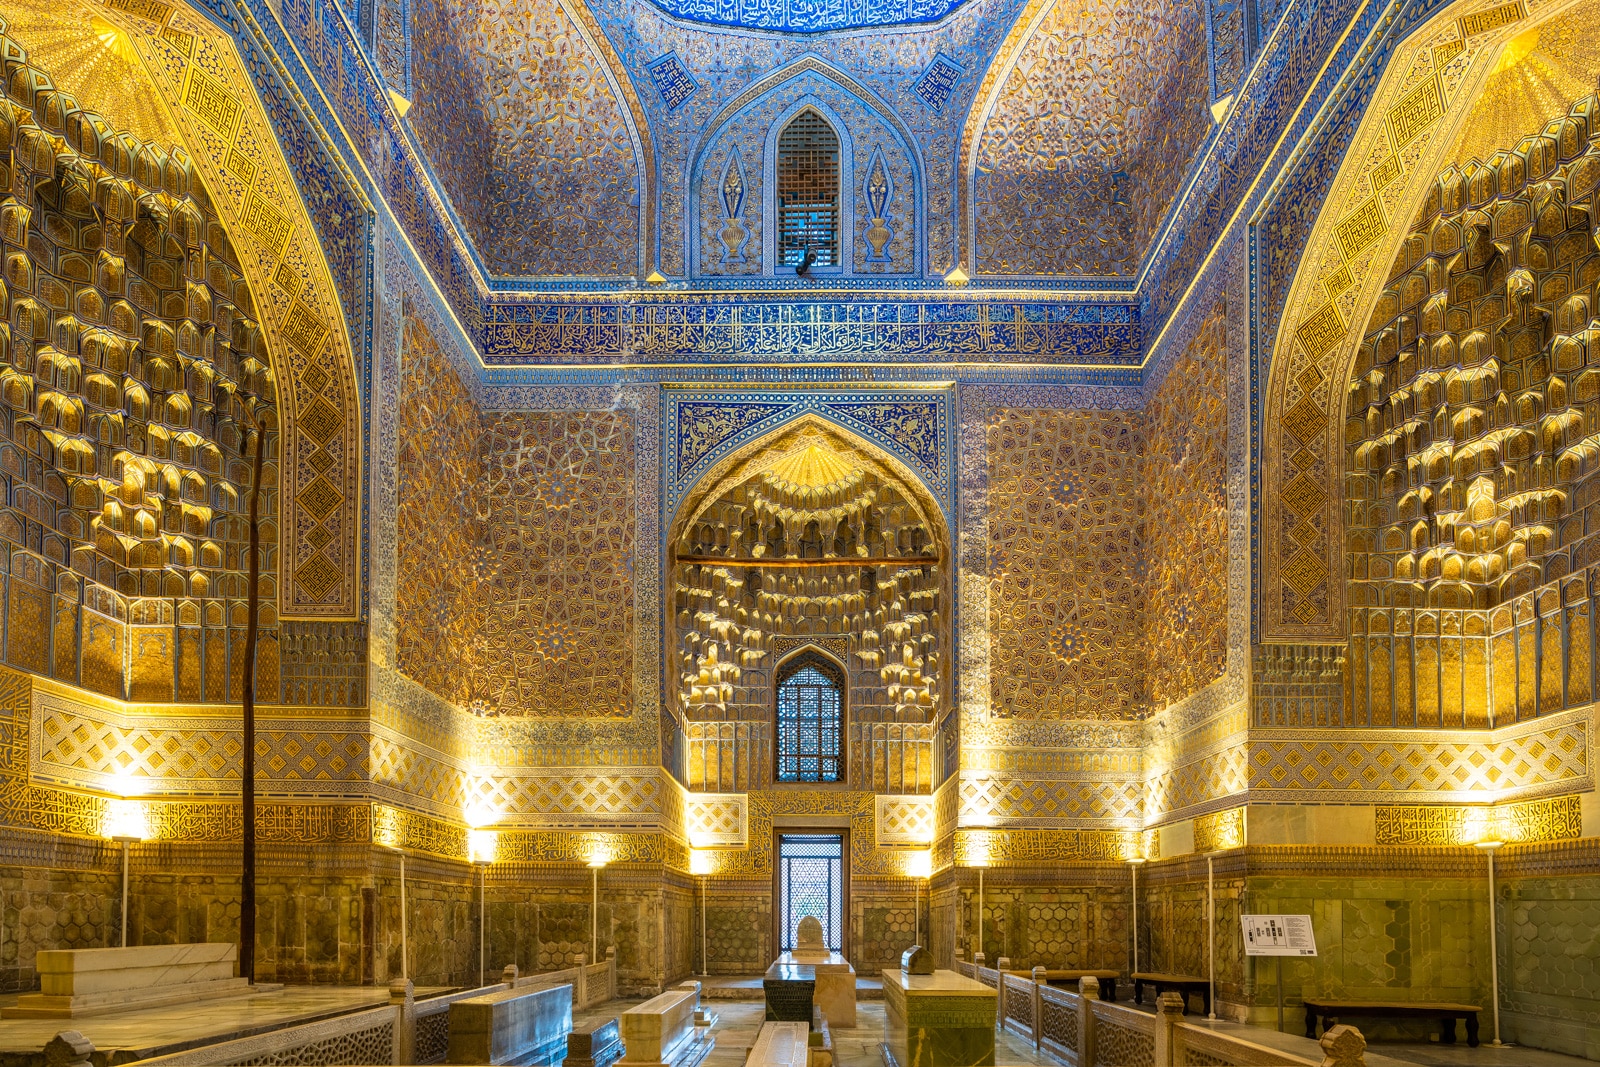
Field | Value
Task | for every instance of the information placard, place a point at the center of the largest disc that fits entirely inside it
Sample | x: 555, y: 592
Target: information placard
x: 1278, y: 935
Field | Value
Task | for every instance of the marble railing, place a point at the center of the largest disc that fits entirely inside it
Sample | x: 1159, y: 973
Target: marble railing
x: 1084, y: 1031
x: 367, y: 1037
x: 407, y: 1030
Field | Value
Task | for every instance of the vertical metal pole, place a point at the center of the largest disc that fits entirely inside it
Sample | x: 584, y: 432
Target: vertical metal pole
x: 1134, y: 869
x: 955, y: 919
x: 705, y: 961
x: 980, y: 912
x: 247, y: 882
x: 404, y: 949
x: 483, y: 913
x: 125, y: 894
x: 1494, y: 959
x: 1280, y: 992
x: 594, y: 915
x: 1211, y: 938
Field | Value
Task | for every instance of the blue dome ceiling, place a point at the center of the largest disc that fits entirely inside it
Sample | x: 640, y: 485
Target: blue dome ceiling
x: 808, y: 16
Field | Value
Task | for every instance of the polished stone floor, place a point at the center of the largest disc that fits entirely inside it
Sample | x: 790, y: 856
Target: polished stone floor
x: 739, y: 1021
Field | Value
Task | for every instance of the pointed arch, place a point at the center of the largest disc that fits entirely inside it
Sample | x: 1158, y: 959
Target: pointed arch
x: 771, y: 209
x: 810, y: 545
x: 197, y: 83
x: 737, y: 111
x: 811, y: 697
x: 1423, y: 99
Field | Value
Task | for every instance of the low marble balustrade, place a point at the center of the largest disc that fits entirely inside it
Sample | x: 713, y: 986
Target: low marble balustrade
x: 1081, y: 1029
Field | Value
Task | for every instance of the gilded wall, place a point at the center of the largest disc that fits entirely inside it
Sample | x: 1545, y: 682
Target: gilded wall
x: 516, y: 109
x: 556, y: 563
x: 1086, y: 144
x: 1036, y: 918
x: 437, y: 604
x: 1186, y: 518
x: 515, y: 542
x: 1066, y: 565
x: 448, y: 117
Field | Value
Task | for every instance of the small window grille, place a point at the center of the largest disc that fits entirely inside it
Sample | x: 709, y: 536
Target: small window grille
x: 810, y: 721
x: 808, y: 191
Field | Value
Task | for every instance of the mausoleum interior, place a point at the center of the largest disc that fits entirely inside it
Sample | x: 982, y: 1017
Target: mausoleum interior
x: 512, y: 496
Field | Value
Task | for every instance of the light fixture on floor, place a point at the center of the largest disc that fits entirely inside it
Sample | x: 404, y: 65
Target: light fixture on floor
x: 1490, y: 846
x: 1134, y: 863
x: 702, y: 863
x: 481, y: 846
x: 596, y: 865
x: 126, y: 822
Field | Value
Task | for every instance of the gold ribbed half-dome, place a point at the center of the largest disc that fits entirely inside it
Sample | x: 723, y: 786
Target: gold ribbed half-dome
x: 810, y: 468
x: 1535, y: 79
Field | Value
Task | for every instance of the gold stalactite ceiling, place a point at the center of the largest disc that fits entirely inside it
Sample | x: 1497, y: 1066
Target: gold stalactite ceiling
x: 169, y: 73
x: 810, y: 541
x: 91, y: 59
x: 1537, y: 76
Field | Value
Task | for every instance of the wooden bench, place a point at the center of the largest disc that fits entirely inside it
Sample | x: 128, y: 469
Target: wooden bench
x: 1331, y: 1011
x: 1177, y: 983
x: 1069, y: 978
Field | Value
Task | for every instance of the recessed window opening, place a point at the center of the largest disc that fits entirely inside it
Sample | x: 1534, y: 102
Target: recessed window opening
x: 811, y: 879
x: 810, y: 712
x: 808, y: 191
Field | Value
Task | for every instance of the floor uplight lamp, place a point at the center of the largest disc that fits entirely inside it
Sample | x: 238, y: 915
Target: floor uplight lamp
x: 919, y: 865
x: 1490, y: 846
x: 1134, y: 863
x: 1211, y: 937
x: 404, y: 948
x: 981, y: 865
x: 125, y: 824
x: 700, y: 864
x: 595, y: 866
x: 481, y: 844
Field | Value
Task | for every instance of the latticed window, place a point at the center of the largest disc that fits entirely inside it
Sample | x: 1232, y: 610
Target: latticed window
x: 810, y: 721
x: 808, y: 191
x: 811, y: 878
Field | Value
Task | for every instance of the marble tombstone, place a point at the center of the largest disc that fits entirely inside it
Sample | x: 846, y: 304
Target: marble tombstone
x: 937, y: 1020
x: 814, y: 973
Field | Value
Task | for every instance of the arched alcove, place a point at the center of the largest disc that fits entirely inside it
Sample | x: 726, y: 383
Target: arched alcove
x: 809, y: 541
